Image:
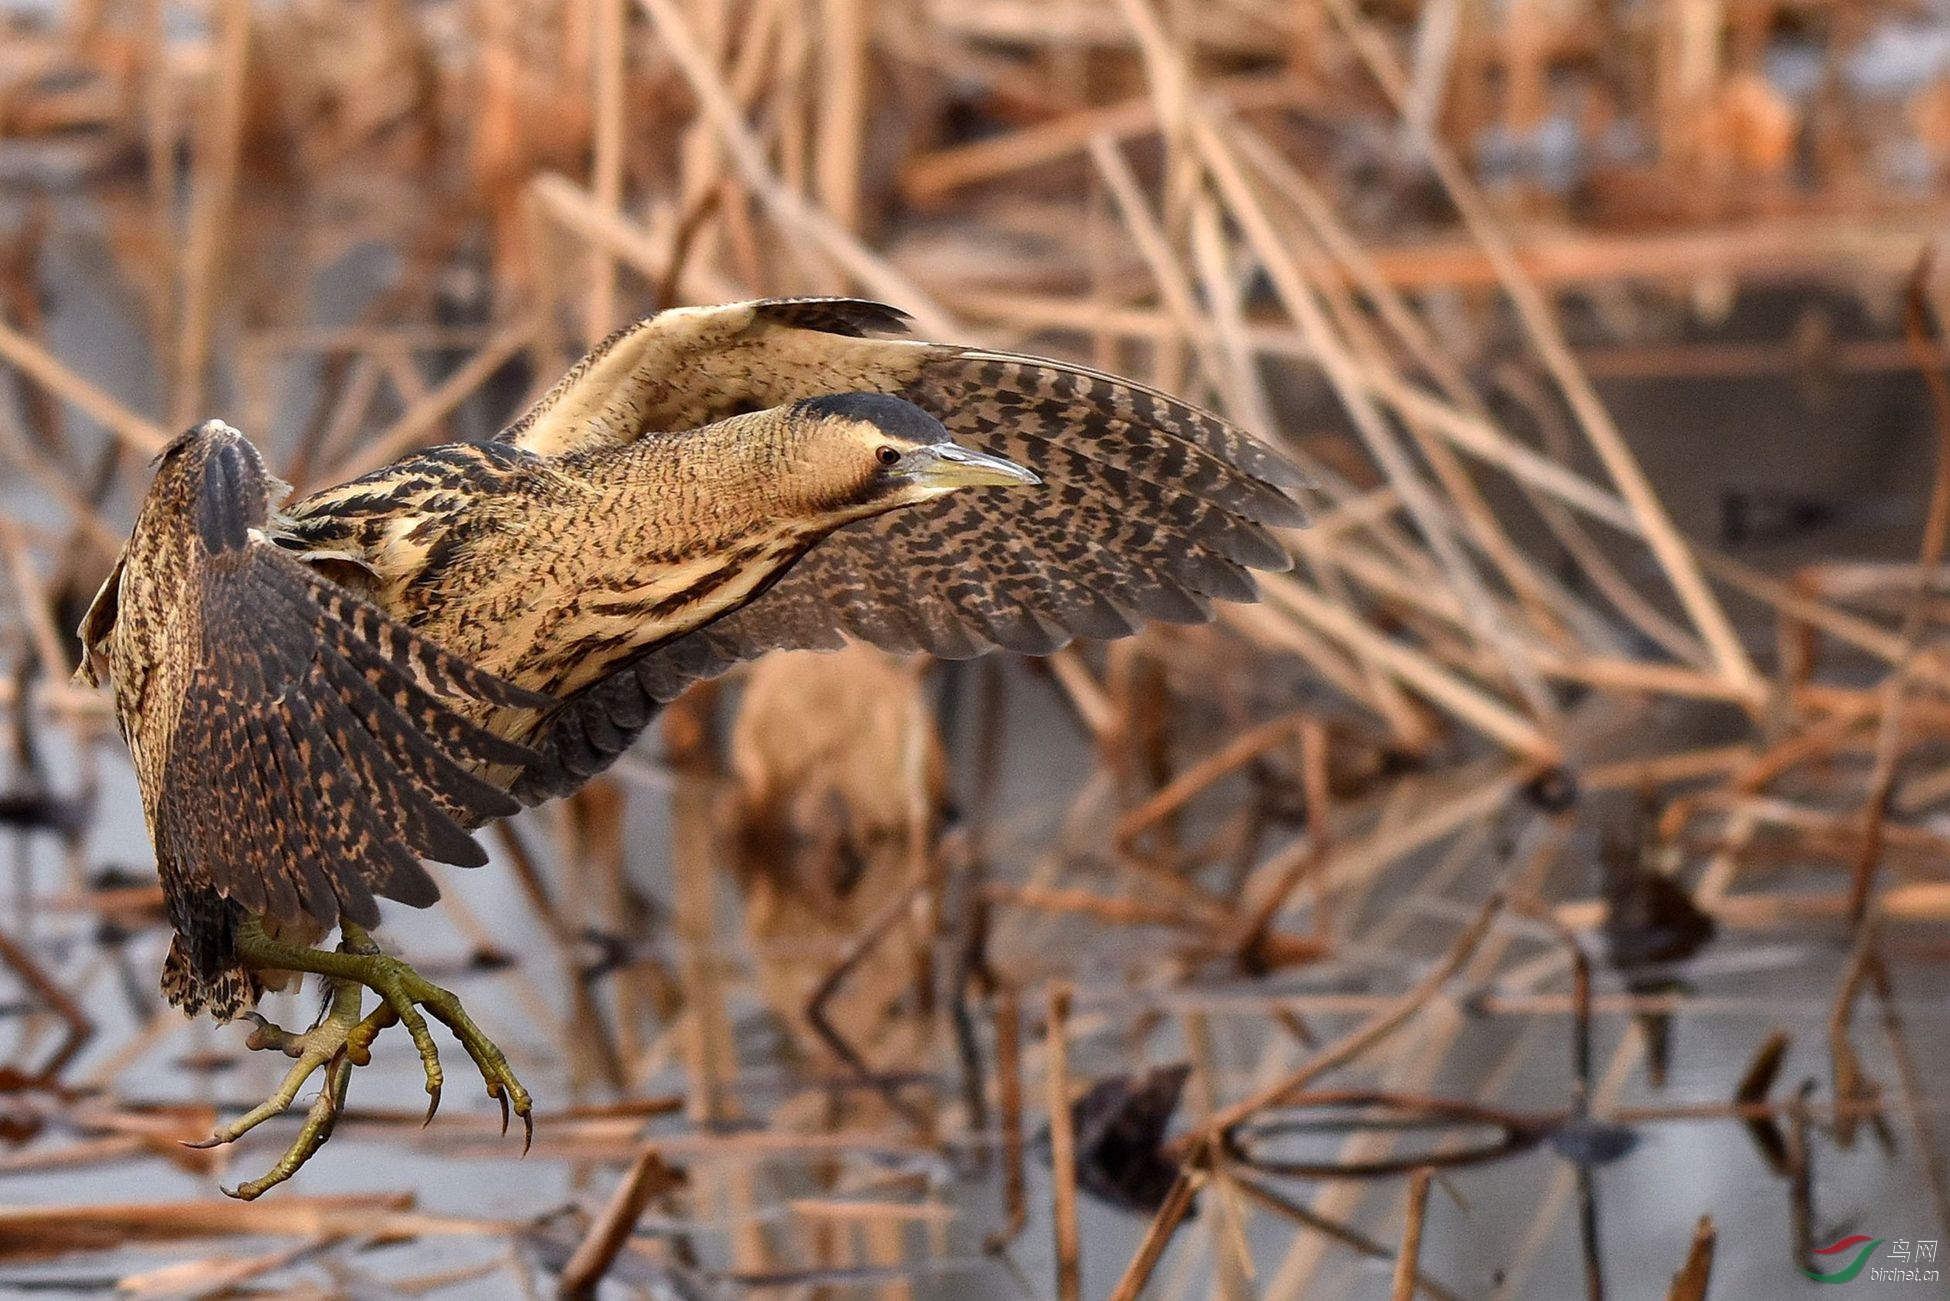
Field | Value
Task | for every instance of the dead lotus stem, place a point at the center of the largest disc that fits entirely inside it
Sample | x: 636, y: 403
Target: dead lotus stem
x: 1192, y: 781
x: 1916, y: 614
x: 1414, y: 669
x: 648, y: 1178
x: 787, y: 206
x: 421, y: 421
x: 606, y: 93
x: 1297, y: 295
x: 1008, y: 1073
x: 213, y: 188
x: 1690, y: 1282
x: 581, y: 213
x: 1408, y: 1258
x: 1158, y: 1234
x: 1347, y: 254
x: 1334, y: 1230
x: 136, y: 432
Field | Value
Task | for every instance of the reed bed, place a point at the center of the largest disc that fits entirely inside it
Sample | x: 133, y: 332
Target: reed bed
x: 1529, y: 897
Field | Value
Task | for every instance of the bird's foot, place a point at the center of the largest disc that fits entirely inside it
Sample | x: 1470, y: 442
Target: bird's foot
x: 404, y: 991
x: 340, y: 1041
x: 343, y: 1039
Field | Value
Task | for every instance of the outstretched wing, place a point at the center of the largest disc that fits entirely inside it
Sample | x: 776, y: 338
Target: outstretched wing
x: 1150, y: 507
x: 321, y: 749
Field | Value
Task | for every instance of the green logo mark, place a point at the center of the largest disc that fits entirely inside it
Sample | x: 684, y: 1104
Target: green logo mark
x: 1848, y: 1272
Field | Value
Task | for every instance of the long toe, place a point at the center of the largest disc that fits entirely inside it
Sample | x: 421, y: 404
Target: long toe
x: 405, y: 991
x: 319, y: 1123
x: 323, y: 1047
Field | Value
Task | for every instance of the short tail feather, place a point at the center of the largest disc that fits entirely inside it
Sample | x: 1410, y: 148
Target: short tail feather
x: 203, y: 971
x: 223, y: 991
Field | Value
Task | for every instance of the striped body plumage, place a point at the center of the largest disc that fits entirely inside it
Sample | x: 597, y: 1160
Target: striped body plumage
x: 552, y: 571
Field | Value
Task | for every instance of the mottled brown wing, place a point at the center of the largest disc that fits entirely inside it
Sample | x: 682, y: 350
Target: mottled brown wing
x: 1150, y: 507
x: 318, y: 754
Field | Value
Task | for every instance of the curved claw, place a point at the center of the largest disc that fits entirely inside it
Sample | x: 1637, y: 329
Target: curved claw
x: 320, y: 1121
x: 401, y: 989
x: 323, y: 1047
x: 358, y: 964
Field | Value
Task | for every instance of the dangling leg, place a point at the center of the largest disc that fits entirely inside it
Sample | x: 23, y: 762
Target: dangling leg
x: 342, y: 1040
x: 403, y: 991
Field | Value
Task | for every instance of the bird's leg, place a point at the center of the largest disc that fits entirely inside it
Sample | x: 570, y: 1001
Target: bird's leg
x: 340, y: 1041
x: 403, y: 991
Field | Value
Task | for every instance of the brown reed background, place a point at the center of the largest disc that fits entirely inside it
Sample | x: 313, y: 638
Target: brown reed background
x: 1515, y: 825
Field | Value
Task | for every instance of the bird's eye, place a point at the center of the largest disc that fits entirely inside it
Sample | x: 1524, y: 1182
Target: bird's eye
x: 887, y: 455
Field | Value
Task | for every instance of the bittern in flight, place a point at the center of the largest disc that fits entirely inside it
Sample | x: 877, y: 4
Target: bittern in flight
x: 320, y: 694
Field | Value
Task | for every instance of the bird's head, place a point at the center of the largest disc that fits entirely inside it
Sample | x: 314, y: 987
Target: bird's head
x: 865, y: 453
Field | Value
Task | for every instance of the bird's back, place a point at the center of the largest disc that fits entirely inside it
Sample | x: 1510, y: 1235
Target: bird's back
x: 145, y: 626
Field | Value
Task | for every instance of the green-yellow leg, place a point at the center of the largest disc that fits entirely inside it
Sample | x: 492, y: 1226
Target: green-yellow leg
x: 403, y: 991
x: 342, y: 1040
x: 318, y: 1126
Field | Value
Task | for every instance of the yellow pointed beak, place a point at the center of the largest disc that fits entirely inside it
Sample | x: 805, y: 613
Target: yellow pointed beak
x: 950, y: 465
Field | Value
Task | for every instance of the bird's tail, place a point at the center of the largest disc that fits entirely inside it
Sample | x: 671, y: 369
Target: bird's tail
x: 202, y: 971
x: 223, y: 991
